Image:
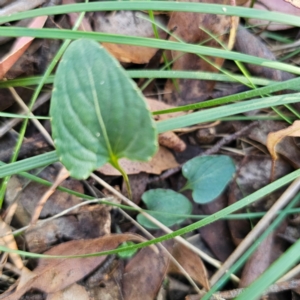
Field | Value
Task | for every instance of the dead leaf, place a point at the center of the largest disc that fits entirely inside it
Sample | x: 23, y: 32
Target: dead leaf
x: 74, y: 226
x: 172, y: 141
x: 138, y: 183
x: 156, y: 105
x: 274, y: 5
x: 162, y: 160
x: 210, y: 234
x: 84, y: 25
x: 267, y: 252
x: 19, y: 47
x: 168, y: 139
x: 188, y: 28
x: 128, y: 23
x: 144, y: 274
x: 53, y: 275
x: 75, y: 291
x: 275, y: 137
x: 249, y: 43
x: 8, y: 241
x: 192, y: 263
x: 296, y: 3
x: 287, y: 149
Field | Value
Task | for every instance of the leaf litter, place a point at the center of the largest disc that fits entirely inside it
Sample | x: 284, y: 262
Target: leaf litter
x: 89, y: 228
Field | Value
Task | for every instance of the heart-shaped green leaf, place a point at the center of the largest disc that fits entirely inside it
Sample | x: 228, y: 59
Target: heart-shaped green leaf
x: 168, y: 201
x: 98, y: 113
x: 208, y: 176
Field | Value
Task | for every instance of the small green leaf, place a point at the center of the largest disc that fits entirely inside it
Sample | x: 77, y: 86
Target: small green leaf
x: 98, y: 113
x: 162, y: 200
x: 208, y: 176
x: 128, y: 253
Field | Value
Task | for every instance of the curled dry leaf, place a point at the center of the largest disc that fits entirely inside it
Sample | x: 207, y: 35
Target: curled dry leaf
x: 19, y: 47
x: 168, y: 139
x: 192, y: 263
x: 171, y: 140
x: 287, y: 149
x: 53, y: 275
x: 275, y: 137
x: 8, y: 241
x: 162, y: 160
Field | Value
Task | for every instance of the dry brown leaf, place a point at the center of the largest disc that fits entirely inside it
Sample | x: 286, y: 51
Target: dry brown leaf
x: 128, y: 23
x: 84, y: 25
x: 19, y: 47
x: 251, y: 44
x: 155, y: 105
x: 53, y: 275
x: 162, y: 160
x: 275, y: 137
x: 75, y: 291
x: 144, y: 274
x: 8, y: 241
x: 172, y: 141
x: 192, y: 263
x: 296, y: 3
x: 188, y: 28
x: 276, y: 6
x: 168, y: 139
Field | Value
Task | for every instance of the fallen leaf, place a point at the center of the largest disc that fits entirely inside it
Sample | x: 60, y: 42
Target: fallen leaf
x: 296, y: 3
x: 162, y: 160
x: 170, y: 140
x: 75, y: 291
x: 8, y: 240
x: 287, y: 149
x: 53, y: 275
x: 267, y: 252
x: 20, y: 46
x: 189, y: 29
x: 275, y: 137
x: 276, y: 6
x: 84, y: 25
x: 128, y: 23
x: 210, y: 234
x: 144, y: 274
x: 251, y: 44
x: 191, y: 262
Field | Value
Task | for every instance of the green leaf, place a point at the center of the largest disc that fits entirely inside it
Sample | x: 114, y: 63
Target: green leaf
x: 208, y: 176
x: 98, y: 113
x: 128, y: 253
x: 162, y: 200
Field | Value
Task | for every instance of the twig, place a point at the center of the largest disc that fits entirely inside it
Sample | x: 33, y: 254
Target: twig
x: 36, y: 122
x: 229, y: 138
x: 13, y: 122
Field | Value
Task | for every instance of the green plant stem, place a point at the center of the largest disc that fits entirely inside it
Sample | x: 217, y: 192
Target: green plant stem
x: 230, y: 209
x: 125, y: 177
